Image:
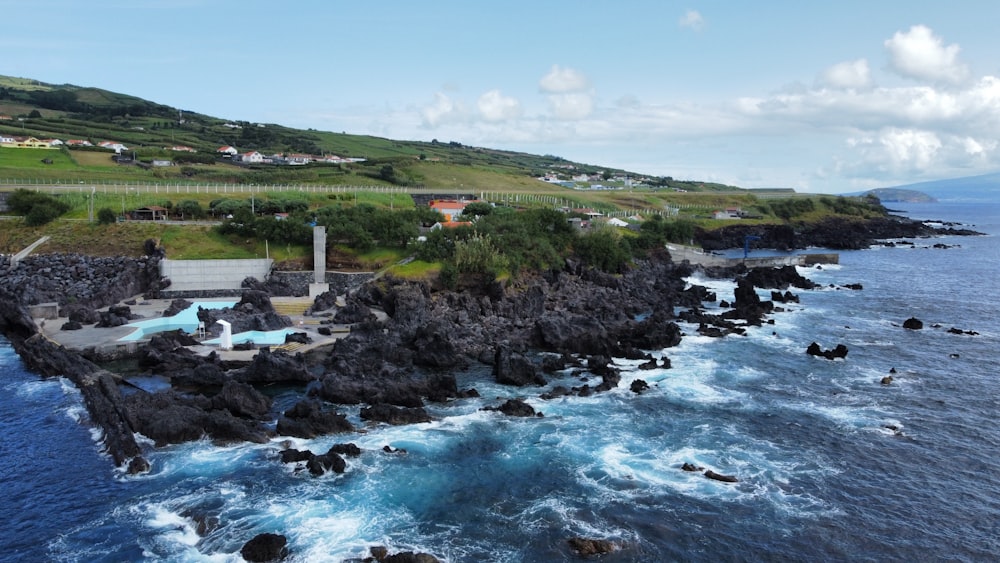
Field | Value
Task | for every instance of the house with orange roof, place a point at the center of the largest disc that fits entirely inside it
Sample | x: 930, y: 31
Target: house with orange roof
x: 227, y: 151
x: 450, y: 225
x: 79, y: 143
x: 450, y: 208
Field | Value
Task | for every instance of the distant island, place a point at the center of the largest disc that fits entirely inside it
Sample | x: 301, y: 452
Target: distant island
x: 900, y: 195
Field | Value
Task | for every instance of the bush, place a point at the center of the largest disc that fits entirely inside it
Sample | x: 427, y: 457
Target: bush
x: 105, y: 216
x: 41, y: 214
x: 37, y: 208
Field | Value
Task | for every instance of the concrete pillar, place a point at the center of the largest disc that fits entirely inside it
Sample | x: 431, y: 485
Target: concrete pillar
x: 319, y: 254
x: 319, y: 285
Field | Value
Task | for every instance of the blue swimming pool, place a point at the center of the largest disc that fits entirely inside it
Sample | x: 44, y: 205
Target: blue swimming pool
x: 186, y: 320
x: 258, y: 337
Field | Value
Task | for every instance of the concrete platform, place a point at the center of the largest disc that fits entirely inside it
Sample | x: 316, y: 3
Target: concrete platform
x: 104, y: 342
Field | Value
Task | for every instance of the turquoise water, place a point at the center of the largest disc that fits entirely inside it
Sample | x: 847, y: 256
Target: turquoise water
x: 186, y: 320
x: 259, y: 337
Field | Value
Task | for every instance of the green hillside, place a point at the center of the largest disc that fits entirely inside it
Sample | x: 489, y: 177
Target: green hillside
x: 149, y: 130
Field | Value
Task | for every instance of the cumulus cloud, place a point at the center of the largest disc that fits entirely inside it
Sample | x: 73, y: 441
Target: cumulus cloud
x: 849, y: 74
x: 692, y: 20
x: 920, y: 54
x: 494, y: 106
x: 560, y: 80
x: 443, y: 110
x: 571, y: 106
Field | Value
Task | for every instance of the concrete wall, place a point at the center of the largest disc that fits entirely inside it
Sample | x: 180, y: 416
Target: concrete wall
x: 200, y: 275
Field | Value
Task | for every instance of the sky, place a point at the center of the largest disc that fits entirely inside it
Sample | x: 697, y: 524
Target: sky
x: 822, y: 97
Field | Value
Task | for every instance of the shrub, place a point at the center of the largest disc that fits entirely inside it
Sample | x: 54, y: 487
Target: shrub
x: 37, y: 208
x: 105, y: 216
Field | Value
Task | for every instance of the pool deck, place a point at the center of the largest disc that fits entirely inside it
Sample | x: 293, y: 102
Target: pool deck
x: 105, y: 341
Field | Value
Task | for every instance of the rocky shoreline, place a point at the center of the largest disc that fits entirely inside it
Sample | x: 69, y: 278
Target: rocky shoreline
x: 574, y: 317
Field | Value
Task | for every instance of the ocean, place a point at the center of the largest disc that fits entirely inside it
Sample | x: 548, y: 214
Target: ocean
x: 832, y: 464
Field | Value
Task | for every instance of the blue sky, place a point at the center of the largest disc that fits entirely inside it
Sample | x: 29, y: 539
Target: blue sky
x: 825, y: 97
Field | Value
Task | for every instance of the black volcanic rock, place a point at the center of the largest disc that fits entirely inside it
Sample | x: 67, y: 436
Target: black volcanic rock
x: 308, y: 419
x: 264, y: 548
x: 913, y: 323
x: 513, y: 368
x: 395, y: 415
x: 839, y: 351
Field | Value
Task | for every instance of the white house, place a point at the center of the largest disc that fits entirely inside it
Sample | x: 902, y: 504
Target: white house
x: 227, y: 150
x: 6, y: 139
x: 252, y: 157
x: 117, y: 147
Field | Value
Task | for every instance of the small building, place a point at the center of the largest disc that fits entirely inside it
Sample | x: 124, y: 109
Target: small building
x: 162, y: 162
x: 29, y: 143
x: 112, y: 145
x: 227, y: 151
x: 79, y: 143
x: 151, y: 213
x: 450, y: 225
x: 252, y: 157
x: 182, y: 148
x: 450, y: 208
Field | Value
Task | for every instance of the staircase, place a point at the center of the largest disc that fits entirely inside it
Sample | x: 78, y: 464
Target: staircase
x: 291, y: 306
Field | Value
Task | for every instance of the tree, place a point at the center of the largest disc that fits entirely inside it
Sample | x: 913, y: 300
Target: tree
x: 478, y: 209
x: 190, y: 209
x: 35, y: 113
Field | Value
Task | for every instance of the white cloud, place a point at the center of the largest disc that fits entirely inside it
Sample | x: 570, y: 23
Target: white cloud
x: 494, y: 106
x: 571, y: 106
x: 443, y: 110
x: 560, y: 80
x: 692, y: 20
x: 919, y: 54
x: 846, y: 75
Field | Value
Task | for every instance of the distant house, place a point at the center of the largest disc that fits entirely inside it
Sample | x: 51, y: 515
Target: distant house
x: 112, y: 145
x: 4, y: 117
x: 151, y: 213
x: 252, y: 157
x: 227, y: 151
x: 161, y: 162
x: 78, y: 143
x: 588, y: 212
x: 298, y: 159
x: 6, y: 139
x: 729, y: 213
x: 182, y: 148
x: 450, y: 225
x: 615, y: 221
x: 449, y: 208
x: 30, y: 143
x: 53, y: 142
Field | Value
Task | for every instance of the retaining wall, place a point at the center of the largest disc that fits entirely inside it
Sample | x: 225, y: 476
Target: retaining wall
x: 212, y: 275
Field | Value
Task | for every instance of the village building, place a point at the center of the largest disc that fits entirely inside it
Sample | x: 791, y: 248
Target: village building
x: 151, y: 213
x: 450, y: 208
x: 227, y: 151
